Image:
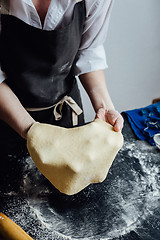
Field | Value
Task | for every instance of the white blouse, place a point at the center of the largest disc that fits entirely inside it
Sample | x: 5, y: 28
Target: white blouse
x: 91, y: 54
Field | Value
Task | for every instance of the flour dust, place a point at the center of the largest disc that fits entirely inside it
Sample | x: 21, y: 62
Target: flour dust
x: 125, y: 202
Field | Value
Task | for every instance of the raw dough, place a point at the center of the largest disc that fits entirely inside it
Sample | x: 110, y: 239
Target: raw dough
x: 71, y: 159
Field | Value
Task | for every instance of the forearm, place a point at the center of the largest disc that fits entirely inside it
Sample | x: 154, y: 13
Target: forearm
x: 12, y: 112
x: 95, y: 86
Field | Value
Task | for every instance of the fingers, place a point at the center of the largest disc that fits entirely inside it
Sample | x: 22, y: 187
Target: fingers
x: 119, y: 124
x: 115, y: 119
x: 112, y: 117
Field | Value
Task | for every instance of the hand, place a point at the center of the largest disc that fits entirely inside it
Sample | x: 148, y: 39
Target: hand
x: 112, y: 117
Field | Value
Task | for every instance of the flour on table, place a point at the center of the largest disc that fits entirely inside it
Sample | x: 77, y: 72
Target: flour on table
x: 125, y: 201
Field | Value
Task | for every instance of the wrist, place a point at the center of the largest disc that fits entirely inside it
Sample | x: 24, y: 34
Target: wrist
x: 100, y: 99
x: 105, y: 107
x: 102, y: 105
x: 26, y: 129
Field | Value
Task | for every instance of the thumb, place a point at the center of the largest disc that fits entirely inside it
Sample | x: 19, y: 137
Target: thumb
x: 101, y: 114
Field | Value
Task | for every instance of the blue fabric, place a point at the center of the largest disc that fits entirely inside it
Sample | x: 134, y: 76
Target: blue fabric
x: 145, y: 122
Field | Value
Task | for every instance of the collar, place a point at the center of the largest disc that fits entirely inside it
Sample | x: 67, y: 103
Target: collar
x: 64, y: 2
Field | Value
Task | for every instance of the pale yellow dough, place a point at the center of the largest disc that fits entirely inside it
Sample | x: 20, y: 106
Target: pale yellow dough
x: 71, y: 159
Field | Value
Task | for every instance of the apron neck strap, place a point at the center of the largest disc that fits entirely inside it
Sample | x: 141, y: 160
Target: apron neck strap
x: 5, y: 6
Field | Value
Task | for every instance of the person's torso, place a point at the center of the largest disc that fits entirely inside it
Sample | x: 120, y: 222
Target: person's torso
x: 38, y: 62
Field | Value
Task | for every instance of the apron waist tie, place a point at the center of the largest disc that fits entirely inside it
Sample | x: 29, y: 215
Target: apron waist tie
x: 76, y: 110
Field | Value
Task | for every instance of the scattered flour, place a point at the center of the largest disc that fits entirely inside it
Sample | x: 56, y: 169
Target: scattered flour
x: 132, y: 197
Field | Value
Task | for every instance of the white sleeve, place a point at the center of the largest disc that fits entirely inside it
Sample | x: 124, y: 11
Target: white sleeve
x: 91, y: 54
x: 89, y: 60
